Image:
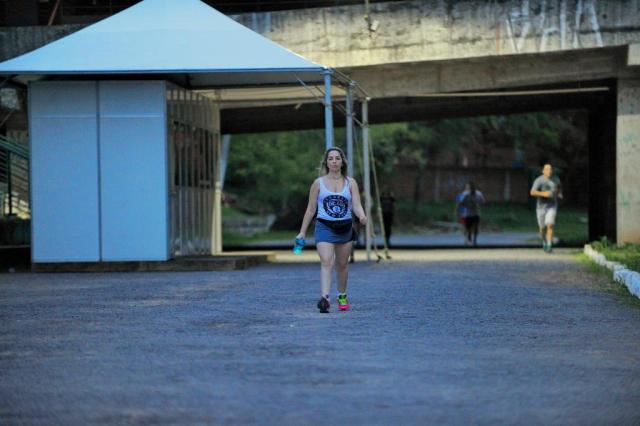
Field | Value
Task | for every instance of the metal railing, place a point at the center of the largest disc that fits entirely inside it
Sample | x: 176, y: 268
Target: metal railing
x: 14, y: 179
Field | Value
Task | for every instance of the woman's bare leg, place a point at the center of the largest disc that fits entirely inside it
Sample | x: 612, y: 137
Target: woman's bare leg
x: 327, y: 255
x: 342, y: 261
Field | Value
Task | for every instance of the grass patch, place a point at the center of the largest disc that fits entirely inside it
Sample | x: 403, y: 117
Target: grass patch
x: 571, y: 227
x: 628, y: 254
x: 571, y: 223
x: 609, y: 285
x: 230, y: 212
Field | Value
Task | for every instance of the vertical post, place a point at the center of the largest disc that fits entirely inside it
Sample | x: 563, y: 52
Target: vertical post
x: 217, y: 198
x: 436, y: 185
x: 328, y: 113
x: 507, y: 186
x: 226, y: 144
x: 191, y: 174
x: 180, y: 142
x: 367, y: 178
x: 349, y: 126
x: 210, y: 173
x: 171, y: 139
x: 9, y: 183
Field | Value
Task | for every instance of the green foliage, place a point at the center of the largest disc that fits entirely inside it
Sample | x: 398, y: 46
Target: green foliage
x: 572, y: 225
x: 272, y: 172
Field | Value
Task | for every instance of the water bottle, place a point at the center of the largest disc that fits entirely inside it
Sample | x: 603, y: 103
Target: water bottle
x: 298, y: 246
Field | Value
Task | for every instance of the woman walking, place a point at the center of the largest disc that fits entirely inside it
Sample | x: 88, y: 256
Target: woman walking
x: 333, y: 196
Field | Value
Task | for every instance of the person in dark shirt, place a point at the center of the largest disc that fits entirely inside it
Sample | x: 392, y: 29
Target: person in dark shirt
x: 387, y: 204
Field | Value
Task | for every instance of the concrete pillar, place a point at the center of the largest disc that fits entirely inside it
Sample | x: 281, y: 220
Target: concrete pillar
x: 627, y: 161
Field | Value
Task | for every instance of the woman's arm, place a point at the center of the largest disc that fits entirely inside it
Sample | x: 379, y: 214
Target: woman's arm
x: 357, y: 204
x: 311, y: 209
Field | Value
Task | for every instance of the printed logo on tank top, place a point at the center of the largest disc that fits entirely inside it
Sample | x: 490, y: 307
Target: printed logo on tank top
x: 336, y: 206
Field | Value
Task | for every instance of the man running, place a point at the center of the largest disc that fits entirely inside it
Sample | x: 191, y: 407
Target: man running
x: 547, y: 190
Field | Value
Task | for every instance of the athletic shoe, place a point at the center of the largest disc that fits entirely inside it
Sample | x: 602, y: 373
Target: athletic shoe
x: 323, y: 305
x: 343, y: 302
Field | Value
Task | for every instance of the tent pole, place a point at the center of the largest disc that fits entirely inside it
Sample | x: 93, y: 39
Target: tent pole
x: 217, y: 198
x: 367, y: 178
x: 328, y: 113
x: 350, y: 129
x: 226, y: 144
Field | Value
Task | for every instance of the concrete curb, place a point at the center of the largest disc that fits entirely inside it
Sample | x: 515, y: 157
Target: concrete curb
x: 620, y: 272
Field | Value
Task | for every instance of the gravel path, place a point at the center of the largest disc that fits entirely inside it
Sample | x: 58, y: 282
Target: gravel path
x: 433, y: 337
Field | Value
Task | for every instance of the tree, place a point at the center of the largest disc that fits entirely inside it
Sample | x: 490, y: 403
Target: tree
x: 272, y: 172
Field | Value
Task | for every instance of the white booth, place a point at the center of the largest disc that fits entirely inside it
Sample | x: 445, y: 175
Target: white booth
x: 125, y: 130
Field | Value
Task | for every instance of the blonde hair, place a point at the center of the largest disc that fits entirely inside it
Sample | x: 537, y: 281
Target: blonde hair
x: 324, y: 168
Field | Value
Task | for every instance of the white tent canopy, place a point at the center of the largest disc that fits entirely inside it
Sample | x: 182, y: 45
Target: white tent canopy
x: 185, y: 41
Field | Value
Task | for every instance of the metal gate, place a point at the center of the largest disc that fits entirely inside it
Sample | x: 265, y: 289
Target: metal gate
x: 194, y: 142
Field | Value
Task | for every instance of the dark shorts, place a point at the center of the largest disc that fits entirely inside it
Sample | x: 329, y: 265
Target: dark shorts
x: 324, y: 234
x: 471, y: 221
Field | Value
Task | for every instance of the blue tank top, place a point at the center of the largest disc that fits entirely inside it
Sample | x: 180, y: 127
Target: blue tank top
x: 334, y: 205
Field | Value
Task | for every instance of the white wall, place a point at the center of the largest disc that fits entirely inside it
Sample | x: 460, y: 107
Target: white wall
x: 99, y: 171
x: 64, y: 172
x: 133, y: 171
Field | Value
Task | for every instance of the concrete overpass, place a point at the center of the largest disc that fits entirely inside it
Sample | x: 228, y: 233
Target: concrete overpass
x: 437, y: 58
x: 429, y: 59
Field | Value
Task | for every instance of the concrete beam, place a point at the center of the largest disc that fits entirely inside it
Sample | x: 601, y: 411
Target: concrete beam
x: 401, y: 84
x: 400, y: 109
x: 490, y: 73
x: 427, y: 30
x: 419, y: 30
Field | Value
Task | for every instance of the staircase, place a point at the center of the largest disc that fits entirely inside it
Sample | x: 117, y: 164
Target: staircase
x: 14, y: 179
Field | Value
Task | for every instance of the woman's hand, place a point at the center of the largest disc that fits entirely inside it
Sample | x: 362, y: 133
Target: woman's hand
x: 362, y: 220
x: 300, y: 235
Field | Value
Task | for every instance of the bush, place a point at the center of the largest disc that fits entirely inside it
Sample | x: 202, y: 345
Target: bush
x: 14, y: 231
